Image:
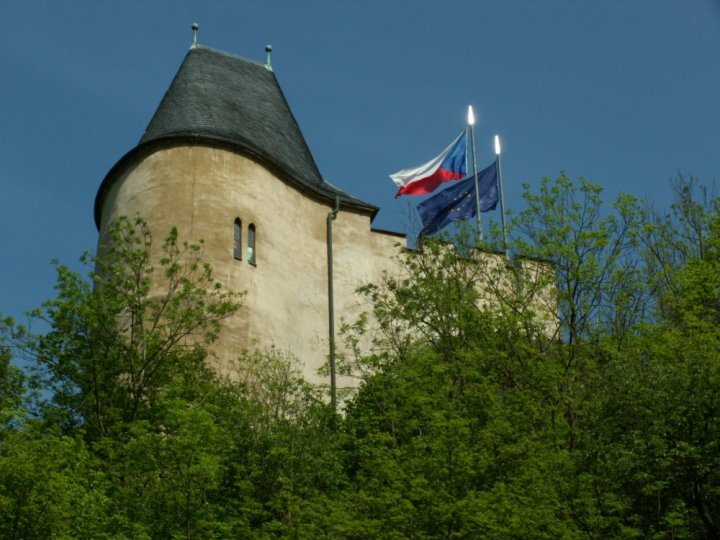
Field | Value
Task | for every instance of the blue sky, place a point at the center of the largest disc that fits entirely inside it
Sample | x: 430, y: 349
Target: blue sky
x: 623, y: 92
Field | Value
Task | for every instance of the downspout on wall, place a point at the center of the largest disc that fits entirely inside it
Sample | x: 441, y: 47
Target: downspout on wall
x: 331, y: 304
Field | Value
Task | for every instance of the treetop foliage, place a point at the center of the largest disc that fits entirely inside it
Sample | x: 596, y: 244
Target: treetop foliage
x: 571, y: 392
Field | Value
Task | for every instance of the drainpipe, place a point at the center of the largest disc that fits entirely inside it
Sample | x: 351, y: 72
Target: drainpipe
x: 331, y: 304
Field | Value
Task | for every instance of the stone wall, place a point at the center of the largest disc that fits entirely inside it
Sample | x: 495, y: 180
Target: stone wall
x: 201, y: 190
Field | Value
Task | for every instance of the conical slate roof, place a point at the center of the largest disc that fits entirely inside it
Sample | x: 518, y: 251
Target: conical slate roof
x: 222, y: 99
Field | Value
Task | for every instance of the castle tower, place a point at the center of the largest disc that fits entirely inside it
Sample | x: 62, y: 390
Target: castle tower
x: 224, y: 160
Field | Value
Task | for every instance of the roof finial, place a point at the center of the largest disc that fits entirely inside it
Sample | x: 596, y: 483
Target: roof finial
x: 195, y: 27
x: 268, y: 64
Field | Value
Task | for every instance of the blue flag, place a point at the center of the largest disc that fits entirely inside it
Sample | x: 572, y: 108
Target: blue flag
x: 458, y: 201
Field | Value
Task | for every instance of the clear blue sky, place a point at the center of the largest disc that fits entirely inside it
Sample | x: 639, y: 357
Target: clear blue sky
x: 623, y: 92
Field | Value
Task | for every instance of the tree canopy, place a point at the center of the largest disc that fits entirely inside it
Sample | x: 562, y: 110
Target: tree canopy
x: 571, y: 390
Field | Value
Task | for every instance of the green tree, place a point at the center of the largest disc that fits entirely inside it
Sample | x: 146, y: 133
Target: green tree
x: 653, y: 442
x: 12, y: 391
x: 572, y: 393
x: 451, y: 433
x: 593, y: 255
x: 672, y: 238
x: 285, y: 469
x: 50, y: 486
x: 123, y: 371
x: 117, y: 338
x: 159, y: 443
x: 607, y: 429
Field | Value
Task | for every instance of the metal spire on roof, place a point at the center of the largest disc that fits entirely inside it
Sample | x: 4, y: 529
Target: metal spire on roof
x: 268, y: 64
x: 195, y: 27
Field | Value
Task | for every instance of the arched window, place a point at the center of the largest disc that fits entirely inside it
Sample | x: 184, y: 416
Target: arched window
x: 237, y: 239
x: 251, y: 253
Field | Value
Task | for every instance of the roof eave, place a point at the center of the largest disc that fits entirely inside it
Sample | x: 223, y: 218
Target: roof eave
x: 324, y: 193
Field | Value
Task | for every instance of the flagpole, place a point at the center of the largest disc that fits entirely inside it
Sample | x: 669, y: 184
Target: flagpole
x: 502, y: 196
x: 471, y: 123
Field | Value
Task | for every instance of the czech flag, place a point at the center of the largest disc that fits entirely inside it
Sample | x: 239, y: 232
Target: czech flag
x: 450, y: 165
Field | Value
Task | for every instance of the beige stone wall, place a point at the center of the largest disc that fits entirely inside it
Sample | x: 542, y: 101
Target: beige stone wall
x: 201, y: 190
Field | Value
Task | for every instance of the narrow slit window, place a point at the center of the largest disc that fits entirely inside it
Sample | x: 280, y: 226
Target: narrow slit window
x: 237, y: 239
x: 251, y: 253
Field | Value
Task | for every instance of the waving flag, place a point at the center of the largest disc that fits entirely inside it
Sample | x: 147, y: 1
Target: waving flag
x: 458, y: 201
x: 449, y: 165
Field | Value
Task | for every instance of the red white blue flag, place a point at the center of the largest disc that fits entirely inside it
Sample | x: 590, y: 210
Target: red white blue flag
x: 451, y: 164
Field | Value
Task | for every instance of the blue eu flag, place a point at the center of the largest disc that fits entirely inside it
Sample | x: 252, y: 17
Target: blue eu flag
x: 458, y: 201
